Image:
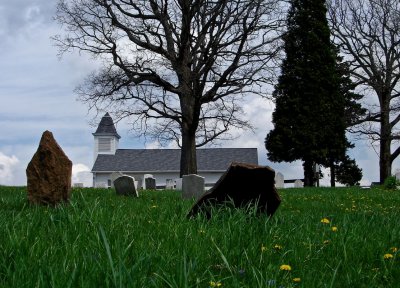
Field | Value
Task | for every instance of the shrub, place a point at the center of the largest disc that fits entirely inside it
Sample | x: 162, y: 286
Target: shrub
x: 391, y: 183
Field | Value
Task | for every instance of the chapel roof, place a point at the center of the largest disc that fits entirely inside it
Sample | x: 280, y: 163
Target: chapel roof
x: 106, y: 127
x: 153, y: 160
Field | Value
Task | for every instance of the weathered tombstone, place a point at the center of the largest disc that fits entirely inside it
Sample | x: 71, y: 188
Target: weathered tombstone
x: 279, y: 180
x: 150, y: 183
x: 178, y: 184
x: 125, y: 185
x: 242, y: 184
x: 192, y: 186
x: 49, y: 173
x: 298, y: 183
x: 145, y: 176
x: 169, y: 184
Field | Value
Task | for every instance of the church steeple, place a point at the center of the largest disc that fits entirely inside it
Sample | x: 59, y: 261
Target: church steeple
x: 106, y: 138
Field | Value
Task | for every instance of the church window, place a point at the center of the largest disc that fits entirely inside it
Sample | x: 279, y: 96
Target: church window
x: 104, y: 144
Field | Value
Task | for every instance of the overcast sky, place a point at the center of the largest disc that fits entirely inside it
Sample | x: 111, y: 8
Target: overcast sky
x: 36, y: 93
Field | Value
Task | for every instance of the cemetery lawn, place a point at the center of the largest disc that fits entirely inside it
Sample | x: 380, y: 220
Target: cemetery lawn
x: 319, y: 237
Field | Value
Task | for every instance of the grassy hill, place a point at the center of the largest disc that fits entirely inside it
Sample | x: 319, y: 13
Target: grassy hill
x: 344, y: 237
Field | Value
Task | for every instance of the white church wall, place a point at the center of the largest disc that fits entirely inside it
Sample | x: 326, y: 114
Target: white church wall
x: 104, y: 179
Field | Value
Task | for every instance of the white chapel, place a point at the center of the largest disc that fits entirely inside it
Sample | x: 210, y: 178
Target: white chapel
x: 163, y: 164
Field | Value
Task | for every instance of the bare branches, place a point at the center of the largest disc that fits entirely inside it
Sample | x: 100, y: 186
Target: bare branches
x: 368, y: 32
x: 167, y: 63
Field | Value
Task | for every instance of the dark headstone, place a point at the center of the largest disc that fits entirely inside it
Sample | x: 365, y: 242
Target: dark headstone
x: 49, y: 173
x: 242, y: 184
x: 125, y: 185
x: 150, y: 183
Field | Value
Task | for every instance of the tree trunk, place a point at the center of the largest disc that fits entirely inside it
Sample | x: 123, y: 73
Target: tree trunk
x: 188, y: 153
x: 333, y: 173
x: 190, y: 121
x: 308, y: 173
x: 385, y: 163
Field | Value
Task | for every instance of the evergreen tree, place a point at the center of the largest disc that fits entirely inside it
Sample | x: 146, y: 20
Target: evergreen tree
x: 308, y: 117
x: 348, y: 173
x: 352, y: 113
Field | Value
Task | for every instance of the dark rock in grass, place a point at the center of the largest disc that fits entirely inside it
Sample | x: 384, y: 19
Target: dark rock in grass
x: 49, y: 173
x: 125, y: 185
x: 241, y: 185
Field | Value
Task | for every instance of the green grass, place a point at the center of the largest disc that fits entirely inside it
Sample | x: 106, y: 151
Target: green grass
x: 102, y: 240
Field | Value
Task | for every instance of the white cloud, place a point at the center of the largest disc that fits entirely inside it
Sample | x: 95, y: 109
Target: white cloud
x: 81, y: 174
x: 7, y: 166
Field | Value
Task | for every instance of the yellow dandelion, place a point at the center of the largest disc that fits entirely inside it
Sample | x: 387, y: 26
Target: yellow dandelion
x: 388, y: 256
x: 334, y: 229
x: 215, y: 284
x: 263, y: 248
x: 325, y: 221
x: 277, y: 247
x: 394, y: 249
x: 297, y: 280
x: 285, y: 267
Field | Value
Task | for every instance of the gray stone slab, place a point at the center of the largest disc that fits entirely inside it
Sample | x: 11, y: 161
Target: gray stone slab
x: 192, y: 186
x: 279, y: 180
x: 125, y: 185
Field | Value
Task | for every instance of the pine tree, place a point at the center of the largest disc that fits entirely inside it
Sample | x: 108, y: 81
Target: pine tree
x: 352, y: 113
x: 348, y: 173
x: 308, y: 119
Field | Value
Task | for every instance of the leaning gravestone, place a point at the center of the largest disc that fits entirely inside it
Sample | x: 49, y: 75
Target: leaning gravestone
x: 298, y: 183
x: 242, y: 184
x: 192, y: 186
x: 279, y: 180
x: 150, y: 183
x: 49, y: 173
x: 125, y: 185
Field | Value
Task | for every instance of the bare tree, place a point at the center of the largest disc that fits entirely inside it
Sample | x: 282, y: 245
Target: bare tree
x: 179, y: 68
x: 368, y: 33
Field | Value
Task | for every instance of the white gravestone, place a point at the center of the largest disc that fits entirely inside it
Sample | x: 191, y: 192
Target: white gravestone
x: 298, y: 183
x: 279, y: 180
x: 192, y: 186
x: 178, y: 184
x: 170, y: 184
